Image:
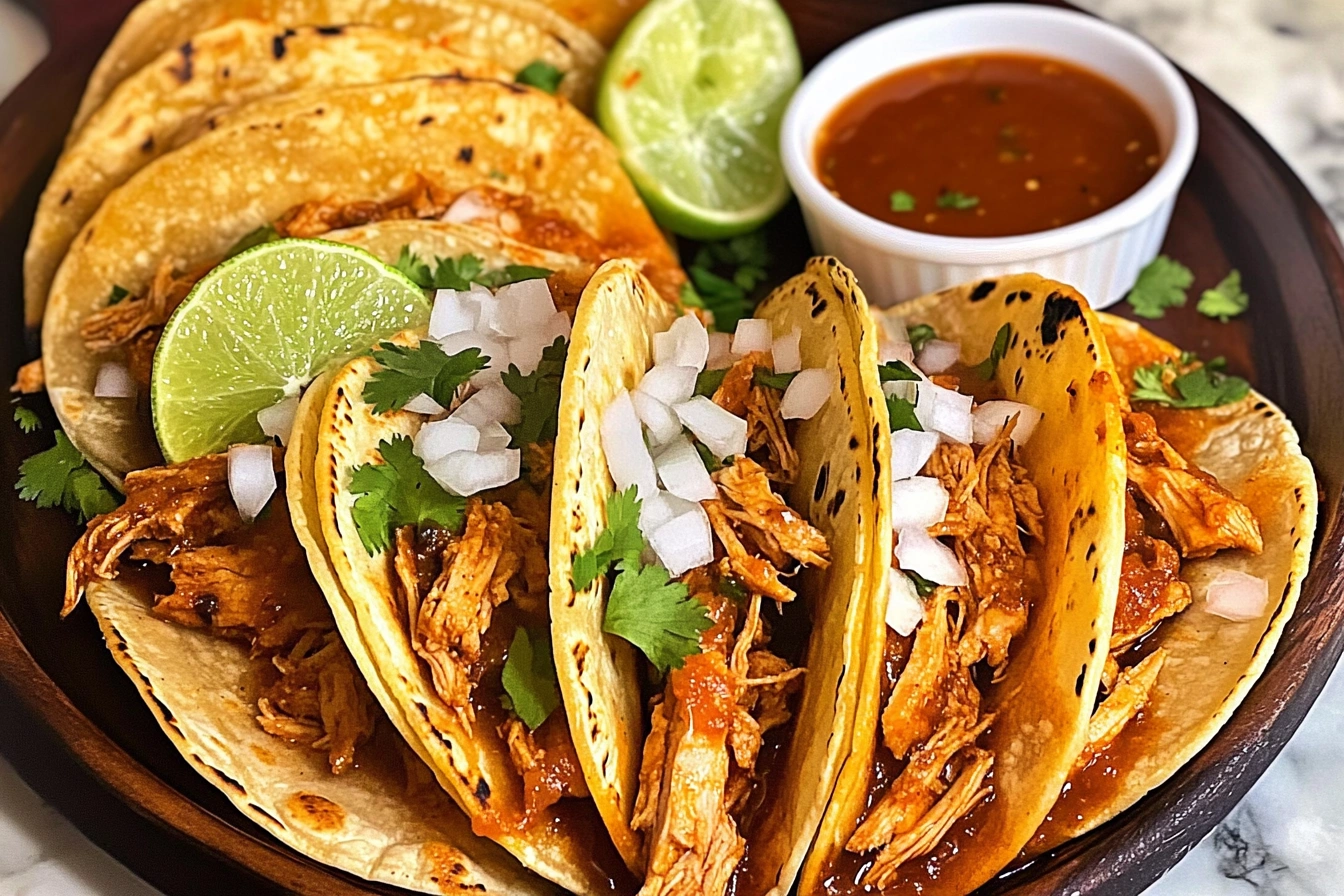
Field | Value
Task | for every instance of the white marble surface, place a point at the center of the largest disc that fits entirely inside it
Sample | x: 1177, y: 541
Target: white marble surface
x: 1281, y: 64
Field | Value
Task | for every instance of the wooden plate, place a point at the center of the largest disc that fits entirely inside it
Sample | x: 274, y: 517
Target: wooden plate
x: 78, y: 731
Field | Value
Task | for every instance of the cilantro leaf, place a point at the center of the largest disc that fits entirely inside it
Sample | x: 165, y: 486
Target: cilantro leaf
x: 923, y: 587
x: 1161, y: 285
x: 901, y: 414
x: 541, y: 75
x: 726, y: 300
x: 396, y: 493
x: 780, y: 381
x: 410, y: 264
x: 530, y: 688
x: 456, y: 273
x: 656, y: 615
x: 954, y: 199
x: 921, y: 335
x: 712, y: 463
x: 407, y: 372
x: 27, y: 419
x: 512, y: 273
x: 621, y: 541
x: 1204, y: 386
x: 1226, y: 300
x: 902, y: 201
x: 118, y: 295
x: 707, y: 382
x: 539, y: 392
x: 60, y: 477
x: 986, y: 368
x: 745, y: 259
x: 896, y: 371
x: 266, y: 233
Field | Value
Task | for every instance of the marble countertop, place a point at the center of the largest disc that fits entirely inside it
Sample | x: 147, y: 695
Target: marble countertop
x: 1281, y: 64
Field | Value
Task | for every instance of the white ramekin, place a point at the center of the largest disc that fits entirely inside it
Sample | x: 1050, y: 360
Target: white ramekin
x: 1100, y: 255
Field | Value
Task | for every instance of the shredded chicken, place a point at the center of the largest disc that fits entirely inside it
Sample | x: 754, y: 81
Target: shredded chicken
x: 30, y: 379
x: 740, y: 394
x: 546, y: 761
x: 1127, y: 699
x: 1151, y: 588
x: 244, y: 582
x: 121, y: 323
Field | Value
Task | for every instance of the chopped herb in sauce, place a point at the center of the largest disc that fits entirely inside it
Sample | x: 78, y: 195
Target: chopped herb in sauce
x: 902, y: 201
x: 541, y: 75
x: 955, y: 199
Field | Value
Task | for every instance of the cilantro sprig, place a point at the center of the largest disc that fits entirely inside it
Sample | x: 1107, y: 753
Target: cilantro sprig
x: 780, y: 381
x: 530, y: 687
x: 620, y: 542
x: 1161, y: 285
x: 27, y: 419
x: 921, y: 335
x: 398, y: 492
x: 425, y: 368
x: 117, y: 295
x: 743, y: 261
x: 541, y: 75
x: 459, y: 273
x: 895, y: 372
x: 60, y: 477
x: 923, y: 587
x: 707, y: 382
x: 957, y: 200
x: 539, y: 392
x: 901, y: 414
x: 1226, y: 300
x: 987, y: 368
x: 1203, y: 385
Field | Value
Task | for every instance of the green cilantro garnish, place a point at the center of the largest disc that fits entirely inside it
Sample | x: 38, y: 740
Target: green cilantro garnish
x: 656, y: 615
x: 902, y: 201
x: 712, y: 463
x: 460, y: 273
x: 780, y: 381
x: 60, y: 477
x: 923, y: 587
x: 530, y: 689
x: 986, y: 368
x: 744, y: 259
x: 27, y: 419
x: 512, y: 273
x: 620, y: 542
x: 407, y: 372
x: 118, y: 295
x: 1204, y: 386
x: 1161, y: 285
x: 707, y: 382
x: 896, y: 371
x: 901, y: 414
x: 396, y: 493
x: 921, y: 335
x: 1226, y: 300
x: 722, y: 298
x: 541, y: 75
x: 539, y: 392
x: 410, y: 264
x: 263, y: 234
x: 955, y: 199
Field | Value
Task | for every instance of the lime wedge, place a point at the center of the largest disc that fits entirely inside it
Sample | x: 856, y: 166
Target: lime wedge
x: 692, y: 94
x: 260, y: 327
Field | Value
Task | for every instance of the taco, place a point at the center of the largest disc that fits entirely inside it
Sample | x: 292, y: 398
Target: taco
x: 233, y: 64
x: 1001, y: 483
x: 719, y: 780
x: 538, y: 172
x: 511, y: 33
x: 603, y: 19
x: 1220, y: 512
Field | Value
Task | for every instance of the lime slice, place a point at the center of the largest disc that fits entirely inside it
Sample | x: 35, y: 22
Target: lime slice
x: 693, y: 94
x: 260, y: 327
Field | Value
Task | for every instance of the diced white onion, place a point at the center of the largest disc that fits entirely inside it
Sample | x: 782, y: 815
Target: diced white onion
x: 424, y: 404
x: 684, y: 344
x: 277, y: 420
x: 683, y: 473
x: 492, y: 404
x: 661, y: 421
x: 904, y: 608
x: 114, y: 381
x: 441, y: 438
x: 785, y: 352
x: 454, y: 312
x: 720, y: 351
x: 660, y: 507
x: 893, y: 329
x: 992, y: 416
x: 895, y: 351
x: 937, y: 355
x: 946, y: 411
x: 467, y: 472
x: 556, y: 326
x: 251, y: 478
x: 524, y: 307
x: 724, y: 434
x: 752, y: 335
x: 910, y: 451
x: 684, y: 542
x: 490, y: 347
x: 494, y: 437
x: 628, y: 458
x: 669, y: 384
x: 468, y: 207
x: 1237, y: 596
x: 919, y: 551
x: 906, y: 389
x: 806, y: 394
x: 917, y: 502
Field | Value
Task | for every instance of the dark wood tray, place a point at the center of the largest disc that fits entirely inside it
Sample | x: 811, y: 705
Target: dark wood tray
x: 78, y: 731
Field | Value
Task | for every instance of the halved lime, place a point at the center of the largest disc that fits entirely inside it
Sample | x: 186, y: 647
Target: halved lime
x: 693, y: 94
x: 260, y: 327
